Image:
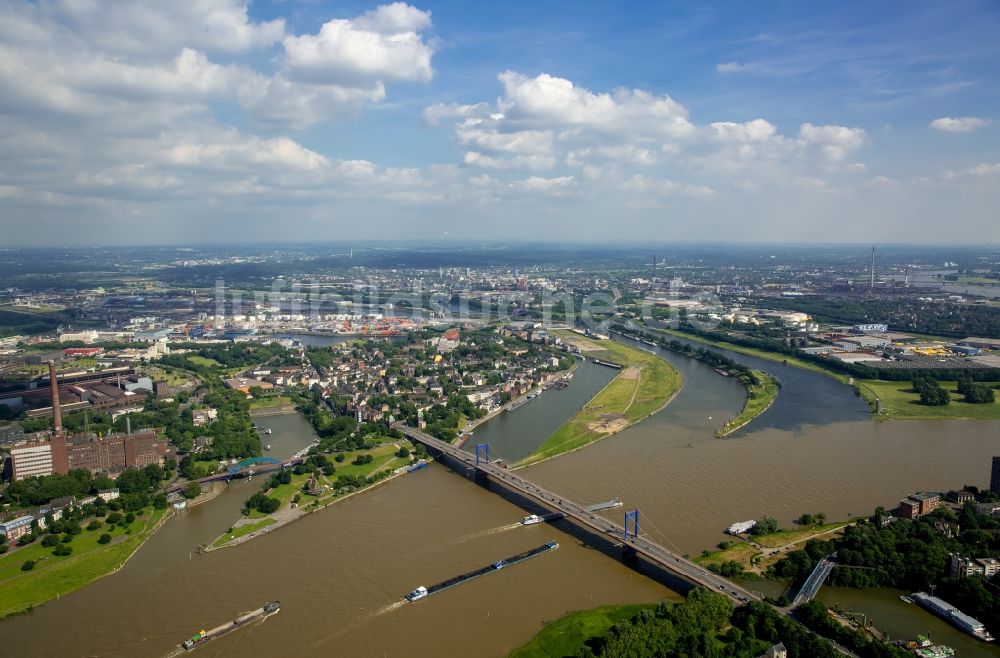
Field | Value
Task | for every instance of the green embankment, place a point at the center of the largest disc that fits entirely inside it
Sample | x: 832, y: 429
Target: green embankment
x: 563, y: 636
x: 243, y: 530
x: 762, y: 354
x: 901, y: 402
x: 54, y: 576
x: 643, y: 386
x: 760, y: 397
x: 754, y: 559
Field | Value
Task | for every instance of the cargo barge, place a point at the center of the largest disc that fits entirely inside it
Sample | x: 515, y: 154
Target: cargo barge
x: 423, y: 592
x: 611, y: 504
x: 203, y: 636
x: 952, y: 615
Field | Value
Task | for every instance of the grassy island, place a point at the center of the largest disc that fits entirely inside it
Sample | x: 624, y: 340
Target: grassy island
x: 760, y: 397
x: 643, y: 386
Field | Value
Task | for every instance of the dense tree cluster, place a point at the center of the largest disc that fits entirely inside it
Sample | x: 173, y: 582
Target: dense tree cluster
x: 975, y: 393
x: 262, y: 503
x: 932, y: 394
x: 706, y: 625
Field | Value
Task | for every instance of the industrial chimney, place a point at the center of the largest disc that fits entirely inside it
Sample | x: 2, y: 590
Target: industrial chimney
x: 56, y: 411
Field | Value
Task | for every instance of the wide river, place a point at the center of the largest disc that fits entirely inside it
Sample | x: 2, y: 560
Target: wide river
x: 341, y: 573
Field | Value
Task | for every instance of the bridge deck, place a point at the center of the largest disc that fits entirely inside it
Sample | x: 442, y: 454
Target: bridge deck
x: 653, y: 552
x: 814, y: 581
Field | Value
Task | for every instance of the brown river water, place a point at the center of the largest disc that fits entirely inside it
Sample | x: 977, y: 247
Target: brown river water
x: 340, y: 574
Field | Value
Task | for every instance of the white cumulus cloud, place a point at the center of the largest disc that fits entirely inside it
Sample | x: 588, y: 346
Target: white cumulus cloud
x: 959, y: 124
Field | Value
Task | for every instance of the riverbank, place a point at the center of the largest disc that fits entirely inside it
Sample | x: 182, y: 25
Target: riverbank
x: 52, y: 576
x: 644, y: 385
x: 900, y: 402
x: 760, y: 397
x: 518, y: 401
x: 565, y: 635
x: 292, y: 495
x: 755, y: 553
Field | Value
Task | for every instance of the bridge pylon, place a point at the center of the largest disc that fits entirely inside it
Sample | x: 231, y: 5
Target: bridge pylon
x: 631, y: 530
x: 482, y: 457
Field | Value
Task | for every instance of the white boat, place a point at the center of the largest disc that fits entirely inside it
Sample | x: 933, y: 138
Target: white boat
x: 531, y: 520
x: 417, y: 594
x: 267, y: 431
x: 267, y: 447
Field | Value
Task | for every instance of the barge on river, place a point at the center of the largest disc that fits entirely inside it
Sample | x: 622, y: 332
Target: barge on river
x: 203, y: 636
x: 423, y: 592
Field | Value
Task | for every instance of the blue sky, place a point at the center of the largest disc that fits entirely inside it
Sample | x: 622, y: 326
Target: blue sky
x: 219, y: 120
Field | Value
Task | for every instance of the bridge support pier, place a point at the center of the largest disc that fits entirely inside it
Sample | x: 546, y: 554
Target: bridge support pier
x: 629, y: 556
x: 480, y: 477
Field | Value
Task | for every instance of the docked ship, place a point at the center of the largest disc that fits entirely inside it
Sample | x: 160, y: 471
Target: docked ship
x: 952, y: 615
x: 203, y: 636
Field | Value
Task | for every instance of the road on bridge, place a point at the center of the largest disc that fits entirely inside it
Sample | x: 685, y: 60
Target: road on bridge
x: 658, y: 555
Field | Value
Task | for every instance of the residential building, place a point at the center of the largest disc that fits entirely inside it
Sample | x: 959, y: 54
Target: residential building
x: 963, y: 567
x: 982, y: 567
x: 991, y: 566
x: 16, y: 528
x: 918, y: 505
x: 107, y: 495
x: 961, y: 497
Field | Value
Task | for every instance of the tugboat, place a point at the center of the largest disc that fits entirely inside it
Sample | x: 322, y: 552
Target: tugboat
x: 417, y: 594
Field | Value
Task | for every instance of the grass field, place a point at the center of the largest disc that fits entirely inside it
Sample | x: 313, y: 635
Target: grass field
x: 565, y: 635
x: 202, y: 361
x: 242, y: 530
x: 759, y: 399
x: 54, y: 576
x: 752, y: 558
x: 900, y: 402
x: 268, y: 403
x: 643, y: 386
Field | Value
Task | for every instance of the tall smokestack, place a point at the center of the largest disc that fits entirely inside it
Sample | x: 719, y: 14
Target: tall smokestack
x: 872, y: 284
x: 56, y: 411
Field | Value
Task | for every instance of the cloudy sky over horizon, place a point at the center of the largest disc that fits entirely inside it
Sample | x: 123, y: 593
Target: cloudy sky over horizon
x: 215, y: 120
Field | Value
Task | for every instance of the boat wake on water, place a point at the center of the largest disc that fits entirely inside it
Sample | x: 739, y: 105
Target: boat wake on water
x: 390, y: 607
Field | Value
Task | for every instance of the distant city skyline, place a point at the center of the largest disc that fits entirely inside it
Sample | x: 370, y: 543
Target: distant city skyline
x: 213, y: 121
